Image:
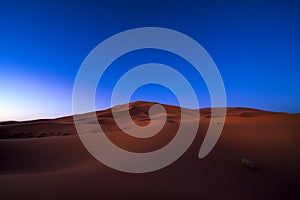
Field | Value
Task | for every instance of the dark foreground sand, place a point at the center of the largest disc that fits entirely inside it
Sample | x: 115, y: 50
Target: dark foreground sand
x: 45, y: 159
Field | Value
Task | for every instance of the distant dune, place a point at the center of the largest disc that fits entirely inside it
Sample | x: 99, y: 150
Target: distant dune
x: 45, y: 159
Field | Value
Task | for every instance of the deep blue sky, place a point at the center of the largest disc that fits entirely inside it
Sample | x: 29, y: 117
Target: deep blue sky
x: 255, y: 44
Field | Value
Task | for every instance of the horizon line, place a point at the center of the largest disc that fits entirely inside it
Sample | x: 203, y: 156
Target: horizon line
x: 140, y: 101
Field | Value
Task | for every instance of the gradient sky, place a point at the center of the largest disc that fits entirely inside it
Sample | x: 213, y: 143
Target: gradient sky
x: 255, y: 44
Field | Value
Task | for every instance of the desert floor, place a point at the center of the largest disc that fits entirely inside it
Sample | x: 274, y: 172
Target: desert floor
x: 45, y: 159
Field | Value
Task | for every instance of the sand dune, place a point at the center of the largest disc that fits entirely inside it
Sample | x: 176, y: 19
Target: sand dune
x: 45, y: 159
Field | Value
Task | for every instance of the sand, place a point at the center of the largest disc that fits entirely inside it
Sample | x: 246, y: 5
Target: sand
x: 45, y: 159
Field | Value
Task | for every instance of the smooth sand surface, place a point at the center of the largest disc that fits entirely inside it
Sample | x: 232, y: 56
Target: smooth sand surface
x: 45, y: 159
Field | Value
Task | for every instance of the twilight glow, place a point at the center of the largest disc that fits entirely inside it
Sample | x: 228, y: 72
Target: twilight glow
x: 256, y: 46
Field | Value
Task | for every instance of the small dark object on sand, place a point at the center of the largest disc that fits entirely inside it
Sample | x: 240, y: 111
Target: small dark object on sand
x: 248, y: 163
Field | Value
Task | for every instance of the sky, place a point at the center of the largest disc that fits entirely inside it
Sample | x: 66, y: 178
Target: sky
x: 255, y: 45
